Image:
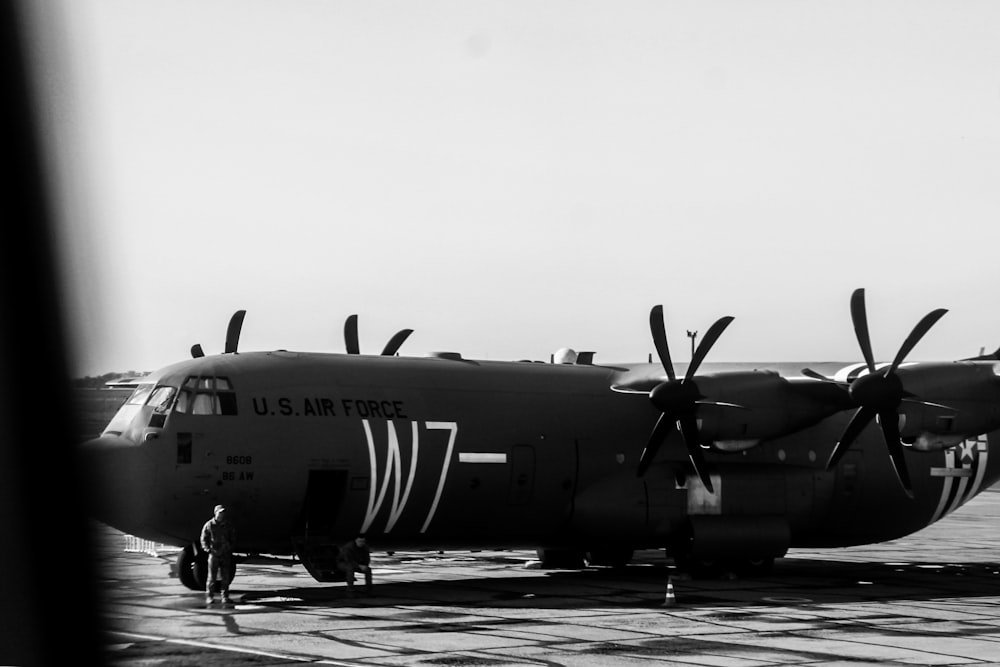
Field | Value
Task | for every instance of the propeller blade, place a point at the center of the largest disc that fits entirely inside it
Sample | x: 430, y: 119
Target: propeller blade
x: 233, y: 331
x: 860, y: 318
x: 923, y: 326
x: 394, y: 343
x: 857, y: 424
x: 706, y: 344
x: 880, y: 393
x: 659, y: 332
x: 815, y: 375
x: 930, y: 404
x: 641, y: 388
x: 723, y: 404
x: 890, y: 430
x: 196, y: 351
x: 689, y: 429
x: 664, y: 425
x: 351, y: 335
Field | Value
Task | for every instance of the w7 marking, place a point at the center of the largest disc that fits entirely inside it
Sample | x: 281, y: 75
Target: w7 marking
x: 394, y: 469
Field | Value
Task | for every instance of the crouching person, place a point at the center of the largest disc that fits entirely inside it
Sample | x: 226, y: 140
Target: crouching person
x: 355, y: 557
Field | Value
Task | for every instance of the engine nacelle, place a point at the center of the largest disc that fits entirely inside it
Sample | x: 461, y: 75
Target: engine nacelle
x: 732, y: 446
x: 932, y: 442
x: 769, y: 406
x: 959, y: 400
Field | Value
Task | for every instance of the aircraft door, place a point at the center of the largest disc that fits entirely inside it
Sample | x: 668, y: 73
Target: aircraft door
x: 324, y: 496
x: 315, y: 539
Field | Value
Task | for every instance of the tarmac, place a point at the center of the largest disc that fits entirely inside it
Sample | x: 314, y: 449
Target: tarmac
x: 932, y: 598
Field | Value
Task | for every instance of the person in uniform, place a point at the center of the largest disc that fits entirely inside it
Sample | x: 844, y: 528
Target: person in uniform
x: 355, y: 556
x: 217, y: 538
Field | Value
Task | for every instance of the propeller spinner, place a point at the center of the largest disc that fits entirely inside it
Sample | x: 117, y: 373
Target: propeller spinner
x: 880, y: 392
x: 678, y: 399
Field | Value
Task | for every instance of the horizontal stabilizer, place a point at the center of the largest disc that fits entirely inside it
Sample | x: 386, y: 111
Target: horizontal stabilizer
x: 992, y: 356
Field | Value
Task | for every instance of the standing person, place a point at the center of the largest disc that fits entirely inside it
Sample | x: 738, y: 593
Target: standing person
x: 217, y: 538
x: 355, y: 557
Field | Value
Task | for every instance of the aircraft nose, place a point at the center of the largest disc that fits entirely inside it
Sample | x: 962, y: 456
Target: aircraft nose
x: 120, y: 476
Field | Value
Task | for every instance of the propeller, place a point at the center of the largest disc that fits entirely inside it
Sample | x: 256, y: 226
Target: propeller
x: 351, y: 338
x: 678, y: 399
x: 232, y: 335
x: 351, y: 335
x: 395, y: 342
x: 233, y: 331
x: 880, y: 392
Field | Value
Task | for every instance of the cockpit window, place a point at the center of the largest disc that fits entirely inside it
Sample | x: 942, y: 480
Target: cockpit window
x: 206, y: 395
x: 127, y: 413
x: 161, y: 398
x: 204, y: 404
x: 140, y: 395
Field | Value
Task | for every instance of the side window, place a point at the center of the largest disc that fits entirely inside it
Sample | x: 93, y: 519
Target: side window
x: 161, y: 398
x: 183, y: 403
x: 140, y: 395
x: 227, y: 403
x: 226, y: 396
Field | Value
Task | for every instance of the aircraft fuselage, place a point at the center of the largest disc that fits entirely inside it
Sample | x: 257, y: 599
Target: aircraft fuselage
x: 451, y: 453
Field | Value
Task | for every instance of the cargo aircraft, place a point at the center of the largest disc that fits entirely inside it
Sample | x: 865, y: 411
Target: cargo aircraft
x: 583, y: 462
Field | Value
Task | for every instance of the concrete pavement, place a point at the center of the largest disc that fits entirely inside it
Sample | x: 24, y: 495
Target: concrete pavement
x: 929, y: 599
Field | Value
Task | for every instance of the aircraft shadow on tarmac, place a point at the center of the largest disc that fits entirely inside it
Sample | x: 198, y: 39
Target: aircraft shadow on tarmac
x: 793, y: 582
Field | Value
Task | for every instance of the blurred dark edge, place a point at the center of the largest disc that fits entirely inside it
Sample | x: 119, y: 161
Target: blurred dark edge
x: 49, y: 605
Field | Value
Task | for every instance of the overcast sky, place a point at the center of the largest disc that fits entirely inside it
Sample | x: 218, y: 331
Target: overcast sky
x: 508, y: 178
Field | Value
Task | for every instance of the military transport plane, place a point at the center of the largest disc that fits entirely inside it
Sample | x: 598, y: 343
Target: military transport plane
x: 581, y: 461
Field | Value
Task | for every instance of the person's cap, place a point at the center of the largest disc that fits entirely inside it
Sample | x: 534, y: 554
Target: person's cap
x: 220, y: 508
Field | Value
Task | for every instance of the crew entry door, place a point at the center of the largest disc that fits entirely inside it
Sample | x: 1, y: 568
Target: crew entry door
x: 324, y: 497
